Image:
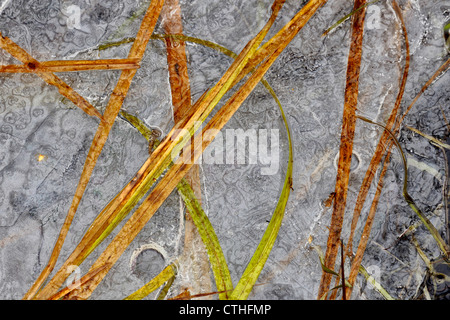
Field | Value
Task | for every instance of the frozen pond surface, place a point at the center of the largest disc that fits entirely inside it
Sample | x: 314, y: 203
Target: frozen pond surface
x: 309, y: 79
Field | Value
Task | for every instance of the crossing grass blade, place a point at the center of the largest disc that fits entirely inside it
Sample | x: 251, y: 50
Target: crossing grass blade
x: 30, y: 63
x: 160, y: 160
x: 117, y: 97
x: 378, y: 154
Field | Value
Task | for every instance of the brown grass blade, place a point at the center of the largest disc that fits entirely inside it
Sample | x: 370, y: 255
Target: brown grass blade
x: 162, y: 153
x: 181, y: 101
x: 378, y: 154
x: 72, y: 65
x: 442, y: 69
x: 356, y: 263
x: 366, y: 232
x: 385, y: 140
x: 112, y: 110
x: 176, y: 59
x: 20, y: 54
x: 346, y: 147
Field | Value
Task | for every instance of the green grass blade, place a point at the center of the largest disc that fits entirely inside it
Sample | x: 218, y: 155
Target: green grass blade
x: 256, y: 264
x: 164, y: 276
x: 209, y: 238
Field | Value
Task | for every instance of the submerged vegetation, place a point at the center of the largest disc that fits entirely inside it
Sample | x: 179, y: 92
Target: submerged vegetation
x: 196, y: 124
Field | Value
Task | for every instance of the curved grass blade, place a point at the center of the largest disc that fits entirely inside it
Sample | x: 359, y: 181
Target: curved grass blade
x: 209, y: 238
x: 165, y: 275
x: 259, y: 258
x: 434, y: 232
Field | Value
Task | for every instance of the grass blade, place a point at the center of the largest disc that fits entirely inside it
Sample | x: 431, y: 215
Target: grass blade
x: 179, y: 81
x: 434, y: 232
x: 209, y: 238
x: 346, y: 147
x: 73, y: 65
x: 432, y: 139
x: 165, y: 275
x: 383, y: 142
x: 161, y: 157
x: 256, y: 264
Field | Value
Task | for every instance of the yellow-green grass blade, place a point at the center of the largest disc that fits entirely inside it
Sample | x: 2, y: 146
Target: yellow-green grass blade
x: 209, y: 238
x: 165, y: 275
x: 207, y: 233
x: 179, y: 138
x: 163, y: 293
x: 162, y: 156
x: 256, y: 264
x: 147, y: 133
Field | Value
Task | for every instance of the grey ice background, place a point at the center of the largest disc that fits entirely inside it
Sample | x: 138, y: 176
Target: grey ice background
x: 309, y: 79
